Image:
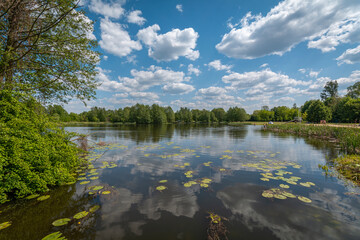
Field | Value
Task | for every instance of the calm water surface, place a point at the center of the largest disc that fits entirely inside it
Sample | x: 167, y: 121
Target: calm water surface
x: 233, y: 158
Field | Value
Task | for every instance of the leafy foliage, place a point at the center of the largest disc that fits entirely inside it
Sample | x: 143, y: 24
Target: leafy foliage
x: 34, y: 153
x: 317, y: 111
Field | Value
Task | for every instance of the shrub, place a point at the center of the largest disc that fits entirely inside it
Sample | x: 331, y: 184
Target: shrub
x: 35, y: 154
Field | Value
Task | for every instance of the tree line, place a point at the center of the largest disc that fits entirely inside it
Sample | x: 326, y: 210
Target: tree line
x: 331, y: 107
x: 145, y: 114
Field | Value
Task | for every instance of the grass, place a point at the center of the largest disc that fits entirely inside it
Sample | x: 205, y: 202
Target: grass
x: 348, y: 138
x: 349, y: 167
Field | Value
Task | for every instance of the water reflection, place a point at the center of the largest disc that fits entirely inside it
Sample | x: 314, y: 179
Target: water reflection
x: 284, y: 219
x: 146, y: 154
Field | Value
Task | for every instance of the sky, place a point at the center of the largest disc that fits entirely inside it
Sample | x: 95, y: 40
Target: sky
x: 207, y: 54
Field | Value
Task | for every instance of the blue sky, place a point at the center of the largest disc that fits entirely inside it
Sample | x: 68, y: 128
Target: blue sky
x: 212, y: 53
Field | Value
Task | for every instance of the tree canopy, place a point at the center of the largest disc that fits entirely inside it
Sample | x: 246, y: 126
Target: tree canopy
x: 46, y: 47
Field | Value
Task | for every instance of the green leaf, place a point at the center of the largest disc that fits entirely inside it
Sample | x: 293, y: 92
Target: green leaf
x: 43, y: 198
x: 61, y: 222
x: 81, y: 214
x: 54, y: 236
x: 4, y: 225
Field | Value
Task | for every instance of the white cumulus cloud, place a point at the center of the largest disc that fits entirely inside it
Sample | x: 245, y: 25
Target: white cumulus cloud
x: 291, y: 22
x: 216, y: 64
x: 193, y: 70
x: 115, y: 40
x: 171, y: 45
x: 113, y: 10
x: 134, y: 17
x: 350, y: 56
x: 179, y: 7
x: 178, y: 88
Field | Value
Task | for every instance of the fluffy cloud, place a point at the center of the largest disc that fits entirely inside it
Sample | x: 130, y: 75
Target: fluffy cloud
x: 115, y: 40
x: 211, y: 91
x: 134, y: 17
x: 146, y: 95
x: 260, y: 81
x: 216, y: 64
x: 113, y: 10
x: 193, y: 70
x: 179, y: 7
x: 143, y: 80
x: 350, y: 56
x: 290, y: 23
x: 178, y: 88
x: 171, y: 45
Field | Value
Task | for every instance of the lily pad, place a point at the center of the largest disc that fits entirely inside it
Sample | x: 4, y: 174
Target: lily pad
x: 160, y: 188
x: 304, y: 199
x: 42, y: 198
x: 187, y: 184
x: 32, y: 196
x: 96, y: 188
x: 305, y: 184
x: 61, y: 222
x: 84, y: 182
x: 284, y: 186
x: 311, y: 183
x: 81, y: 178
x: 92, y: 193
x: 264, y: 179
x: 267, y: 194
x: 54, y: 236
x: 106, y: 192
x: 279, y: 196
x: 4, y: 225
x: 94, y: 178
x: 163, y: 181
x: 222, y: 169
x: 81, y: 214
x: 289, y: 195
x: 204, y: 185
x: 94, y: 208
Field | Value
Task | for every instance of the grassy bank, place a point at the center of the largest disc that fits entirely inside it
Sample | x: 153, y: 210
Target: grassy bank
x: 348, y: 138
x: 349, y: 167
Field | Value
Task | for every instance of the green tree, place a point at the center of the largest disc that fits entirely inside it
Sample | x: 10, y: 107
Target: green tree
x: 170, y: 115
x: 140, y: 113
x: 354, y: 91
x: 184, y: 115
x: 46, y: 48
x: 236, y: 114
x: 318, y: 111
x: 306, y: 106
x: 158, y: 115
x: 330, y: 90
x: 35, y: 154
x: 220, y: 114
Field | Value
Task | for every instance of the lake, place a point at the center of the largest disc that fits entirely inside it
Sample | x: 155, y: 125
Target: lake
x: 194, y: 181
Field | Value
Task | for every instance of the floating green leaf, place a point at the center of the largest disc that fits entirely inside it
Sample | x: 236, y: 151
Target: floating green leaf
x: 81, y: 178
x: 289, y: 195
x: 94, y: 208
x: 54, y: 236
x: 304, y: 199
x: 305, y: 184
x: 160, y: 188
x: 96, y: 188
x: 284, y: 186
x: 279, y: 196
x: 4, y: 225
x: 106, y: 192
x: 163, y: 181
x: 81, y: 214
x: 84, y: 182
x: 94, y: 178
x: 204, y: 185
x: 42, y: 198
x: 222, y: 169
x: 61, y: 222
x: 32, y: 196
x: 264, y: 179
x: 268, y: 194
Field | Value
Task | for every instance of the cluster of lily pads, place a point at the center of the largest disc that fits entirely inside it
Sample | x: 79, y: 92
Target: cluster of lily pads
x: 282, y: 194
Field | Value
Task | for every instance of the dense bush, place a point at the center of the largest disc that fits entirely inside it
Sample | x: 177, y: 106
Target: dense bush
x: 34, y: 153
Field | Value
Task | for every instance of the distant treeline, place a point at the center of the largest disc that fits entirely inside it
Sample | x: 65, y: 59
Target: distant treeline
x: 331, y: 108
x: 145, y: 114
